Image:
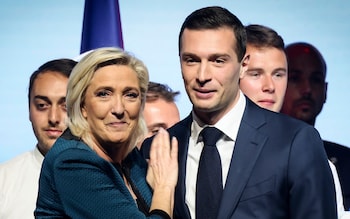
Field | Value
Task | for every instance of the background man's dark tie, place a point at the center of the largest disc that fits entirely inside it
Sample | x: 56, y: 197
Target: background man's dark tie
x: 209, y: 178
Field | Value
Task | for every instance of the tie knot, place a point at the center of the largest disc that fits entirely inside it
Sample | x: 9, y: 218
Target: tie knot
x: 210, y: 136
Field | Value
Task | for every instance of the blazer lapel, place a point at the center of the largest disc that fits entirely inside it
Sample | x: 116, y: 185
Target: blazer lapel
x: 248, y: 146
x: 182, y: 132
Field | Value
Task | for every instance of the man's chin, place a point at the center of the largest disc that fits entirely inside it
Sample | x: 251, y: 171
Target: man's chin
x: 305, y: 116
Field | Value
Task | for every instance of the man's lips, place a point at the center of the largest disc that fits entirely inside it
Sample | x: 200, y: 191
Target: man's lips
x: 53, y: 132
x: 305, y: 103
x: 267, y: 101
x: 203, y: 93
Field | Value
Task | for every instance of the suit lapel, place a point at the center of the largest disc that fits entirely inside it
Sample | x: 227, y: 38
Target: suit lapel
x: 248, y: 146
x: 182, y: 132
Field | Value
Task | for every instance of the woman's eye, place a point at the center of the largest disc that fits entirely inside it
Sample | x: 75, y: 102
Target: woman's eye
x: 132, y: 95
x: 102, y: 93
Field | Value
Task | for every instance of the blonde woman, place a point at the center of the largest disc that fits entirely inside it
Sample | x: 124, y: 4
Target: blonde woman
x: 94, y: 169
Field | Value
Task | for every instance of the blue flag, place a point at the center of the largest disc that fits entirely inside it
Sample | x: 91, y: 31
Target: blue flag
x: 101, y: 25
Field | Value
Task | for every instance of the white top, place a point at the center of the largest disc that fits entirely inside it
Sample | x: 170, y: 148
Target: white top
x: 342, y: 214
x: 19, y: 185
x: 229, y: 125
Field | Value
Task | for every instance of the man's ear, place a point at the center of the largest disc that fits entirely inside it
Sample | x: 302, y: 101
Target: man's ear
x: 325, y: 91
x: 244, y: 65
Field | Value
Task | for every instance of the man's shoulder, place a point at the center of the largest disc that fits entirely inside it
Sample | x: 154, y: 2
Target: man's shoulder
x: 337, y: 151
x: 336, y: 147
x: 266, y: 118
x: 21, y: 168
x: 17, y: 162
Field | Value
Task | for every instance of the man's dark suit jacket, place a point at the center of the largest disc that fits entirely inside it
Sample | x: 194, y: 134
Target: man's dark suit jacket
x: 279, y: 169
x: 340, y: 157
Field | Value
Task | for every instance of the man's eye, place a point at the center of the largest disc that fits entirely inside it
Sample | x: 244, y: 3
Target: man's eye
x: 317, y: 80
x: 293, y: 79
x: 42, y: 106
x: 253, y: 74
x: 219, y: 61
x: 280, y: 74
x: 189, y: 60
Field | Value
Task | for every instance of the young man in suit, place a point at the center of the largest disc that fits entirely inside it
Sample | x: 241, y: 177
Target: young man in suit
x: 265, y: 81
x: 270, y: 166
x: 306, y: 93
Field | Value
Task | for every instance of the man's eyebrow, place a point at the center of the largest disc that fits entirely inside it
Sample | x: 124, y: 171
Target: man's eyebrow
x: 46, y: 99
x: 188, y: 54
x: 280, y: 69
x: 211, y: 56
x: 215, y: 55
x: 255, y: 69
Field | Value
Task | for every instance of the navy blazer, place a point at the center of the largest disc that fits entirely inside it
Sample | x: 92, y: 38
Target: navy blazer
x: 278, y: 169
x: 340, y: 157
x: 77, y: 183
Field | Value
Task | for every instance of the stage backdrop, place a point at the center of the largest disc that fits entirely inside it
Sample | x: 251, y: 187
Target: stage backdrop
x: 33, y: 32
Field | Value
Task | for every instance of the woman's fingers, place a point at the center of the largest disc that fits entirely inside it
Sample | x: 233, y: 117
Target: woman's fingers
x: 163, y: 166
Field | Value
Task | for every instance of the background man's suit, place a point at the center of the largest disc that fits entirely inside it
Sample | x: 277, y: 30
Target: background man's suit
x: 340, y: 157
x: 273, y: 173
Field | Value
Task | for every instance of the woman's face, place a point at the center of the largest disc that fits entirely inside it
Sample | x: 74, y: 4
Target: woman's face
x: 112, y: 105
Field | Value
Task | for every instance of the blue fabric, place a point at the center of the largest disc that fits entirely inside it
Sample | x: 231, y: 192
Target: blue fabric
x: 101, y: 25
x: 278, y: 170
x: 76, y: 183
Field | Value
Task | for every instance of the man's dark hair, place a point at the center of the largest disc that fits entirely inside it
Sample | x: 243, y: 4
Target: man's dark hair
x: 162, y: 91
x: 310, y: 49
x: 215, y: 18
x: 61, y: 66
x: 261, y: 36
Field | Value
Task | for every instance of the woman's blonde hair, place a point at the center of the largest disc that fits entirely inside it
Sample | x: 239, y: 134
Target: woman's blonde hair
x: 80, y: 79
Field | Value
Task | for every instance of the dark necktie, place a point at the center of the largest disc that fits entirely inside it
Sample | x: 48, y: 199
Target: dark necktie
x: 209, y: 178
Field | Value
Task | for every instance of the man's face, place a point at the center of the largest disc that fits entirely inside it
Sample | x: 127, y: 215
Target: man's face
x: 47, y: 108
x: 210, y: 70
x: 306, y: 91
x: 265, y: 81
x: 160, y: 113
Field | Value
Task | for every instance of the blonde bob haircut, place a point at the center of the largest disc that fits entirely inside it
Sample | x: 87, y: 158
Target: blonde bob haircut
x: 80, y: 79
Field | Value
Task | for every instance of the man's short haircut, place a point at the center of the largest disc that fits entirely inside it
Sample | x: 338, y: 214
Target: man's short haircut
x: 213, y: 18
x: 307, y: 47
x: 61, y: 66
x: 162, y: 91
x: 260, y: 36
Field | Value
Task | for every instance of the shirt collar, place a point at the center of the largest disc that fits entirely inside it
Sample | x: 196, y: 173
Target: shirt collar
x: 228, y: 124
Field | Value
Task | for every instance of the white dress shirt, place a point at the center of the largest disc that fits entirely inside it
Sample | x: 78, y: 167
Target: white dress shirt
x: 342, y: 214
x: 229, y: 125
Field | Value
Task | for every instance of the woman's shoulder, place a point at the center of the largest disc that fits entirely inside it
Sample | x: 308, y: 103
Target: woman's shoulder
x: 67, y: 143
